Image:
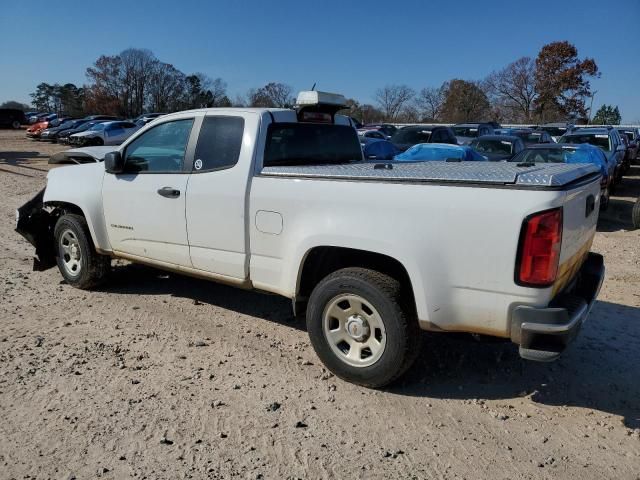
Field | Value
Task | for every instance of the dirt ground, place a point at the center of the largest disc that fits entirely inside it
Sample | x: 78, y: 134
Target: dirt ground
x: 158, y: 376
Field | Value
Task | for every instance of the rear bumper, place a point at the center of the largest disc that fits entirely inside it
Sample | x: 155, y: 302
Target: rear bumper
x: 544, y: 333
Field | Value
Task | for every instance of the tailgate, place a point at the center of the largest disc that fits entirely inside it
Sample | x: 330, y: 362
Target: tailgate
x: 580, y: 216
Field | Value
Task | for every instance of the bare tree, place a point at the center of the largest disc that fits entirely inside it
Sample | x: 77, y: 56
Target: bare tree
x: 429, y: 102
x: 392, y: 99
x: 166, y: 88
x: 513, y: 89
x: 137, y: 66
x: 271, y: 95
x: 214, y: 89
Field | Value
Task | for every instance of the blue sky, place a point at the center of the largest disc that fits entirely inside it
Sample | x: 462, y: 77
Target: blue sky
x: 347, y: 47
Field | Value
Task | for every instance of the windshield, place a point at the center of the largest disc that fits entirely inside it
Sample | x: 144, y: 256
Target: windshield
x: 465, y: 131
x: 629, y: 133
x: 311, y: 144
x: 554, y: 131
x: 67, y: 124
x: 98, y: 127
x: 529, y: 137
x: 411, y: 136
x: 598, y: 139
x: 493, y: 146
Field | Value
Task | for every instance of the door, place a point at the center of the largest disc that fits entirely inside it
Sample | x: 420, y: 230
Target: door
x: 217, y: 196
x: 144, y: 207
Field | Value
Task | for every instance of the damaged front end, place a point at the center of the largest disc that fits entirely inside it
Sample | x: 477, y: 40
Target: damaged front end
x: 35, y: 223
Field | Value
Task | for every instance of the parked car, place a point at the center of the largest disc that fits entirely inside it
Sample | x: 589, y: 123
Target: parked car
x: 51, y: 131
x: 36, y: 129
x: 467, y: 132
x: 409, y: 136
x: 146, y: 118
x: 568, y: 153
x: 498, y: 147
x: 635, y: 214
x: 64, y: 136
x: 12, y: 117
x: 376, y: 149
x: 633, y: 134
x: 52, y: 134
x: 364, y: 134
x: 104, y: 133
x: 529, y: 136
x: 606, y: 138
x: 367, y: 259
x: 37, y: 117
x: 439, y: 152
x: 387, y: 129
x: 556, y: 129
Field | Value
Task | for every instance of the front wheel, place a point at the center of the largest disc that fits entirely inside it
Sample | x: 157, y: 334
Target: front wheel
x: 79, y: 263
x: 362, y: 327
x: 15, y: 124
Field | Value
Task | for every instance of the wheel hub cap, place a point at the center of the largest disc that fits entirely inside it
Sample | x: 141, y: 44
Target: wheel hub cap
x: 354, y: 330
x: 358, y: 328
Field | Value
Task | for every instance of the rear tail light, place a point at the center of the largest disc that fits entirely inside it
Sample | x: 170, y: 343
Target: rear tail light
x: 539, y: 250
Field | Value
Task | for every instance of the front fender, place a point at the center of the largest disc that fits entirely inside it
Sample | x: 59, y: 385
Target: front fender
x: 80, y: 186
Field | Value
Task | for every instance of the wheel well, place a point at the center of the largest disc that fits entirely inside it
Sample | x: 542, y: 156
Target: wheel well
x: 62, y: 208
x: 322, y: 261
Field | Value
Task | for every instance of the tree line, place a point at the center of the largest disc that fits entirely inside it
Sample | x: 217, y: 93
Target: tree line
x: 554, y: 86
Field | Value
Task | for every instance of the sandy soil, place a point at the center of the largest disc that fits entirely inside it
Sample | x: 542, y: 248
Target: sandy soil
x: 159, y: 376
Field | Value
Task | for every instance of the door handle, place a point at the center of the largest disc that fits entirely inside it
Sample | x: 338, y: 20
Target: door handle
x: 169, y: 192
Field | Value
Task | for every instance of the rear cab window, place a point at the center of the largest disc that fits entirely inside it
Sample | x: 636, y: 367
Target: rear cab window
x: 311, y: 144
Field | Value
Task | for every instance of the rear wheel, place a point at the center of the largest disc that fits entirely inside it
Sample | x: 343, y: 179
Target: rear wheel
x: 79, y: 263
x: 15, y: 124
x: 362, y: 327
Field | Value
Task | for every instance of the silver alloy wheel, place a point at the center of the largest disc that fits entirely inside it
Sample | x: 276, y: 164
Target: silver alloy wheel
x: 354, y: 330
x: 70, y: 253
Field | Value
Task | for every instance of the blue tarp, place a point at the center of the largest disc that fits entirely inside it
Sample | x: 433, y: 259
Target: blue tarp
x: 438, y: 152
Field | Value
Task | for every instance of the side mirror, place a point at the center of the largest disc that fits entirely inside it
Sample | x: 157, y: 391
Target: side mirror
x: 113, y: 162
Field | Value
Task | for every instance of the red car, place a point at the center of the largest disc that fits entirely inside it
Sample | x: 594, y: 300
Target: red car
x: 36, y: 129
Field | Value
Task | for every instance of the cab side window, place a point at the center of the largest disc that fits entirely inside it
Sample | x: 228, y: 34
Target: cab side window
x: 219, y: 143
x: 159, y: 150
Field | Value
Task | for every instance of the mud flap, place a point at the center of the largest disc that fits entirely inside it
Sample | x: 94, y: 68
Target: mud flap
x: 36, y: 224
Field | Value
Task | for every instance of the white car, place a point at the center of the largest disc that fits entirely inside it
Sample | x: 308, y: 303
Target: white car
x: 280, y: 200
x: 105, y: 133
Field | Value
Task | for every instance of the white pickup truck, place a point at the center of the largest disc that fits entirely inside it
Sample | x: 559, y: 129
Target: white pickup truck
x: 280, y: 200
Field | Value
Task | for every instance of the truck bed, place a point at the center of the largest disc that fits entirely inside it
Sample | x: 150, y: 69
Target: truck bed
x: 486, y: 173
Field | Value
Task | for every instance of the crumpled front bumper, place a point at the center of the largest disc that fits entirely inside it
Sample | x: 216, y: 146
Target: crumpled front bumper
x: 544, y: 333
x: 36, y: 224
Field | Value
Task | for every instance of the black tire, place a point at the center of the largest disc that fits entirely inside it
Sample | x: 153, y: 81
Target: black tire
x: 15, y: 124
x: 386, y: 295
x: 604, y: 202
x: 92, y: 268
x: 635, y: 214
